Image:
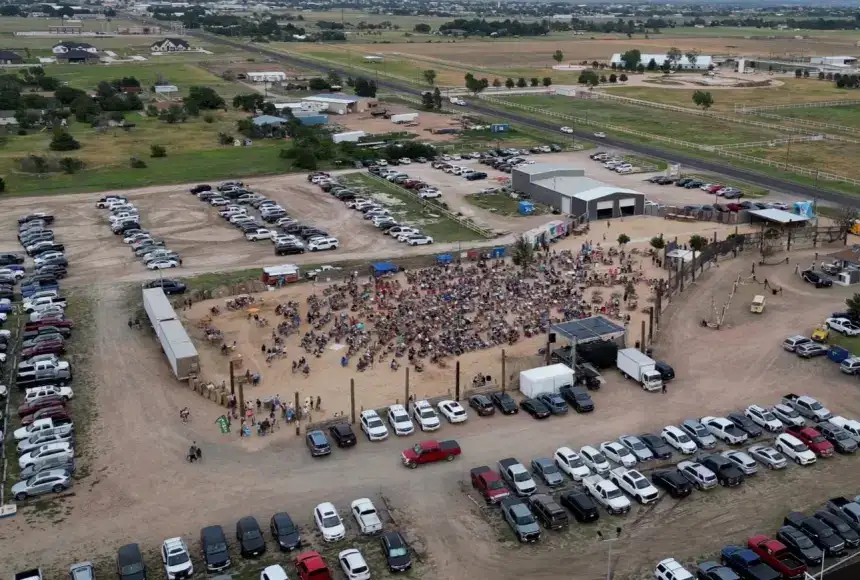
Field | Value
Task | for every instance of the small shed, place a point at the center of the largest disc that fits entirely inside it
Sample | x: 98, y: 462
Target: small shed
x: 383, y: 268
x: 280, y: 275
x: 777, y: 216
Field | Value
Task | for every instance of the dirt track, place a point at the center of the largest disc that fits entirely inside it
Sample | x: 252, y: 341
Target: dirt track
x: 139, y: 487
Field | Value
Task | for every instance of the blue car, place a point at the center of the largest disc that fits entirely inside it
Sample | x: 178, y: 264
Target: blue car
x: 555, y: 403
x: 747, y: 564
x: 318, y: 444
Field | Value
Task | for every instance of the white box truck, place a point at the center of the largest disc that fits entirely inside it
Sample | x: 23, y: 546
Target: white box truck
x: 635, y: 365
x: 404, y: 118
x: 538, y: 381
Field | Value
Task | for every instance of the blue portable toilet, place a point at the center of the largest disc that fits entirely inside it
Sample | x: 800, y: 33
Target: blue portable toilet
x: 838, y: 354
x: 526, y: 208
x: 444, y: 259
x: 498, y: 253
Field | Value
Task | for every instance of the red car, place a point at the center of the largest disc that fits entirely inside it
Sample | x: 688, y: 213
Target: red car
x: 55, y: 412
x: 777, y: 556
x: 56, y: 347
x: 813, y: 439
x: 489, y: 484
x: 55, y: 321
x: 430, y: 451
x: 44, y: 402
x: 311, y: 566
x: 733, y: 207
x: 715, y: 188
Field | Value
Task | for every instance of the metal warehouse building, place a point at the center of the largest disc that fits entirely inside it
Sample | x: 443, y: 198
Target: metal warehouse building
x: 569, y: 190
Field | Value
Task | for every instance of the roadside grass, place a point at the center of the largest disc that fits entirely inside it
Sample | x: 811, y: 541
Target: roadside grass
x: 408, y: 209
x: 501, y: 204
x: 850, y: 343
x: 830, y: 156
x: 848, y: 115
x: 646, y: 162
x: 661, y: 123
x: 792, y: 91
x: 749, y: 191
x: 260, y: 159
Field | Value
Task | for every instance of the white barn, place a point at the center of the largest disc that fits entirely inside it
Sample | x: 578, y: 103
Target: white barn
x: 702, y: 61
x: 267, y: 77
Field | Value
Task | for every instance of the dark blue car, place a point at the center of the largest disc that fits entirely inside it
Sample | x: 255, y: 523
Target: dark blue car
x: 555, y: 403
x: 318, y: 444
x: 747, y: 564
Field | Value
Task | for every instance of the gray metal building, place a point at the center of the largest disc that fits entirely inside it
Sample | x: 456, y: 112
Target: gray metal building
x: 570, y: 191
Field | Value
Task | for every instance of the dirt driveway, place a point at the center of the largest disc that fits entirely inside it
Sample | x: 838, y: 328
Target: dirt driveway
x: 140, y: 485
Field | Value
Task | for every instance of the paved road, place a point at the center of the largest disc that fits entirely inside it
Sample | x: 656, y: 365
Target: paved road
x: 722, y: 168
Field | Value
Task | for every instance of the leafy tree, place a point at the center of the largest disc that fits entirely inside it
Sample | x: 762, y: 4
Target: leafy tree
x: 692, y: 57
x: 67, y: 95
x: 249, y: 102
x: 509, y: 83
x: 603, y: 78
x: 558, y: 56
x: 623, y: 240
x: 631, y: 59
x: 71, y: 165
x: 2, y: 184
x: 698, y: 243
x: 673, y: 55
x: 589, y: 78
x: 853, y: 305
x: 821, y: 75
x: 798, y: 73
x: 497, y: 83
x: 534, y: 81
x: 173, y: 114
x: 523, y: 253
x: 85, y: 109
x: 521, y: 82
x: 546, y: 81
x: 437, y: 99
x: 204, y: 98
x: 422, y: 29
x: 137, y: 163
x: 703, y: 99
x: 427, y: 100
x: 334, y: 79
x: 318, y: 84
x: 806, y: 73
x: 365, y: 88
x: 641, y: 68
x: 305, y: 159
x: 157, y: 151
x: 475, y: 85
x: 429, y: 76
x: 613, y: 78
x: 63, y: 141
x: 845, y: 219
x: 658, y: 243
x: 151, y: 111
x: 622, y: 77
x: 652, y: 64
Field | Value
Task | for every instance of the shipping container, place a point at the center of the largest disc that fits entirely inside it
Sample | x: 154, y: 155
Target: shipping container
x: 312, y: 119
x: 349, y: 136
x: 404, y: 118
x: 175, y: 343
x: 500, y: 127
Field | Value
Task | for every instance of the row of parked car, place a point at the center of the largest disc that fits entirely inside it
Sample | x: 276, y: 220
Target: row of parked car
x: 288, y: 235
x: 376, y: 213
x: 125, y: 221
x: 803, y: 542
x: 512, y: 485
x: 614, y: 163
x: 45, y: 435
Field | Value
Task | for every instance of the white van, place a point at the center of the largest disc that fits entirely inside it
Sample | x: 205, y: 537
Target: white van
x: 850, y: 425
x: 850, y: 366
x: 792, y: 342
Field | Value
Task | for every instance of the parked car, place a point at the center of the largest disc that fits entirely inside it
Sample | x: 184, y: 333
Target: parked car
x: 328, y: 522
x: 700, y: 435
x: 581, y: 506
x: 505, y: 403
x: 285, y: 532
x: 395, y: 551
x: 176, y: 559
x: 728, y: 474
x: 213, y: 545
x: 637, y: 447
x: 768, y: 456
x: 482, y: 405
x: 673, y: 482
x: 343, y: 435
x: 250, y: 537
x: 317, y: 443
x: 129, y: 563
x: 50, y: 481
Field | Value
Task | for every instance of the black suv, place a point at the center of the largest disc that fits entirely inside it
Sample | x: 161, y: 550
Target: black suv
x: 818, y: 279
x: 505, y: 403
x: 548, y: 512
x: 578, y: 398
x: 129, y: 563
x: 343, y: 435
x: 581, y: 506
x: 287, y: 249
x: 213, y: 544
x: 169, y: 286
x: 820, y: 533
x: 800, y: 544
x: 250, y: 537
x: 396, y: 552
x: 671, y: 481
x: 744, y: 423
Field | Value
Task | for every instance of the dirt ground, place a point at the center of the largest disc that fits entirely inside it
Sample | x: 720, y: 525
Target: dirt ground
x: 426, y: 124
x: 139, y: 482
x: 380, y: 386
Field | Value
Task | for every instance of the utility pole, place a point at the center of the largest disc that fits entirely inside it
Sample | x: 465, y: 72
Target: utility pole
x: 406, y: 403
x: 457, y: 381
x: 352, y: 399
x: 298, y: 420
x: 503, y: 371
x: 232, y: 379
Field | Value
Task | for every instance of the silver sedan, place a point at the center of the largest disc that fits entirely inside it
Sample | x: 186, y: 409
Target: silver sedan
x: 52, y: 481
x: 768, y: 456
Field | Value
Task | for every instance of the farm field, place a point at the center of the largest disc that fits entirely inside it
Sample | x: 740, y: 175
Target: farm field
x: 829, y: 156
x: 792, y: 91
x: 675, y: 125
x: 849, y: 115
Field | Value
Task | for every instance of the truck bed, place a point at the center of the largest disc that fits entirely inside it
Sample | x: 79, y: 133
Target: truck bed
x: 449, y: 445
x: 478, y: 471
x: 505, y: 463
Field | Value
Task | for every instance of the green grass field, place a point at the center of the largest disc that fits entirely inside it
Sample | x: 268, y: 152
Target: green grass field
x: 407, y: 209
x: 676, y: 125
x: 848, y: 116
x: 793, y: 91
x: 831, y: 156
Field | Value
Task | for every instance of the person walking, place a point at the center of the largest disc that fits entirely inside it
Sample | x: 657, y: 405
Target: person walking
x: 319, y: 403
x: 664, y: 388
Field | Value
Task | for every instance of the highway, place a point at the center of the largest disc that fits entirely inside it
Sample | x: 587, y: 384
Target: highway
x: 799, y: 190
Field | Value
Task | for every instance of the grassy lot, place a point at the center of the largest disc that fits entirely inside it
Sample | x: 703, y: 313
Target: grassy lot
x: 848, y: 115
x: 501, y: 204
x: 830, y: 156
x: 410, y: 210
x: 850, y: 343
x: 676, y: 125
x: 793, y: 91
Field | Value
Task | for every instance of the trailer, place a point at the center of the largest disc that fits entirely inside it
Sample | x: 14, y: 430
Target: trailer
x: 541, y: 380
x: 348, y: 137
x: 404, y: 118
x: 177, y: 346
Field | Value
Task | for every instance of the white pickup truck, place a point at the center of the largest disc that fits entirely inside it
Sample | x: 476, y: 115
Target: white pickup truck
x: 635, y: 484
x: 606, y: 494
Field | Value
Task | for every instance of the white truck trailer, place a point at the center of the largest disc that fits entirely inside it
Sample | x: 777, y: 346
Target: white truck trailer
x: 635, y: 365
x: 540, y: 380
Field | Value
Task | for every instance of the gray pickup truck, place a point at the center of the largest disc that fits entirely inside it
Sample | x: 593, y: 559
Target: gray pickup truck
x: 846, y: 510
x: 520, y: 518
x: 807, y: 407
x: 43, y: 373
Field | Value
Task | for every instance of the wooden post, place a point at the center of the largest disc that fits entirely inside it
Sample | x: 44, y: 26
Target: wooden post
x: 232, y: 380
x: 504, y: 375
x: 643, y: 336
x: 242, y: 413
x: 457, y: 381
x: 407, y: 387
x: 658, y: 302
x: 352, y: 399
x: 298, y: 421
x: 650, y: 324
x: 681, y: 274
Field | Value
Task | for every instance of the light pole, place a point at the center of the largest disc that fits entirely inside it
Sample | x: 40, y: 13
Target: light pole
x: 609, y: 540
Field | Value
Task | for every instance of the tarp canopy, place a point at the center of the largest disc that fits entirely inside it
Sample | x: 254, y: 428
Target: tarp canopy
x: 588, y: 329
x: 444, y: 258
x: 380, y: 268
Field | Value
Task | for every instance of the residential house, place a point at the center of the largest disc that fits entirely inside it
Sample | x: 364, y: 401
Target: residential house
x: 67, y: 46
x: 170, y: 45
x: 7, y: 118
x: 78, y: 56
x: 9, y: 57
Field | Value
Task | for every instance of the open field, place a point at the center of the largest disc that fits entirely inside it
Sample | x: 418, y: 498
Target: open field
x: 792, y: 91
x: 830, y: 156
x: 848, y: 115
x: 675, y: 125
x: 9, y: 25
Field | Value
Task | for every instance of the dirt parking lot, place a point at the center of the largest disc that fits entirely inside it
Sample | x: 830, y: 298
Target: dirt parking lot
x: 137, y: 490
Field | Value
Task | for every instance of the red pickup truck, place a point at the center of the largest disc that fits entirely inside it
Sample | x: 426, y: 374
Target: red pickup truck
x: 311, y: 566
x: 430, y: 451
x: 489, y: 484
x: 813, y: 439
x: 776, y: 555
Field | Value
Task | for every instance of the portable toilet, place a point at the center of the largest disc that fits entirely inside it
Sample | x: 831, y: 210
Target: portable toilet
x: 526, y: 208
x: 498, y: 253
x: 444, y: 259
